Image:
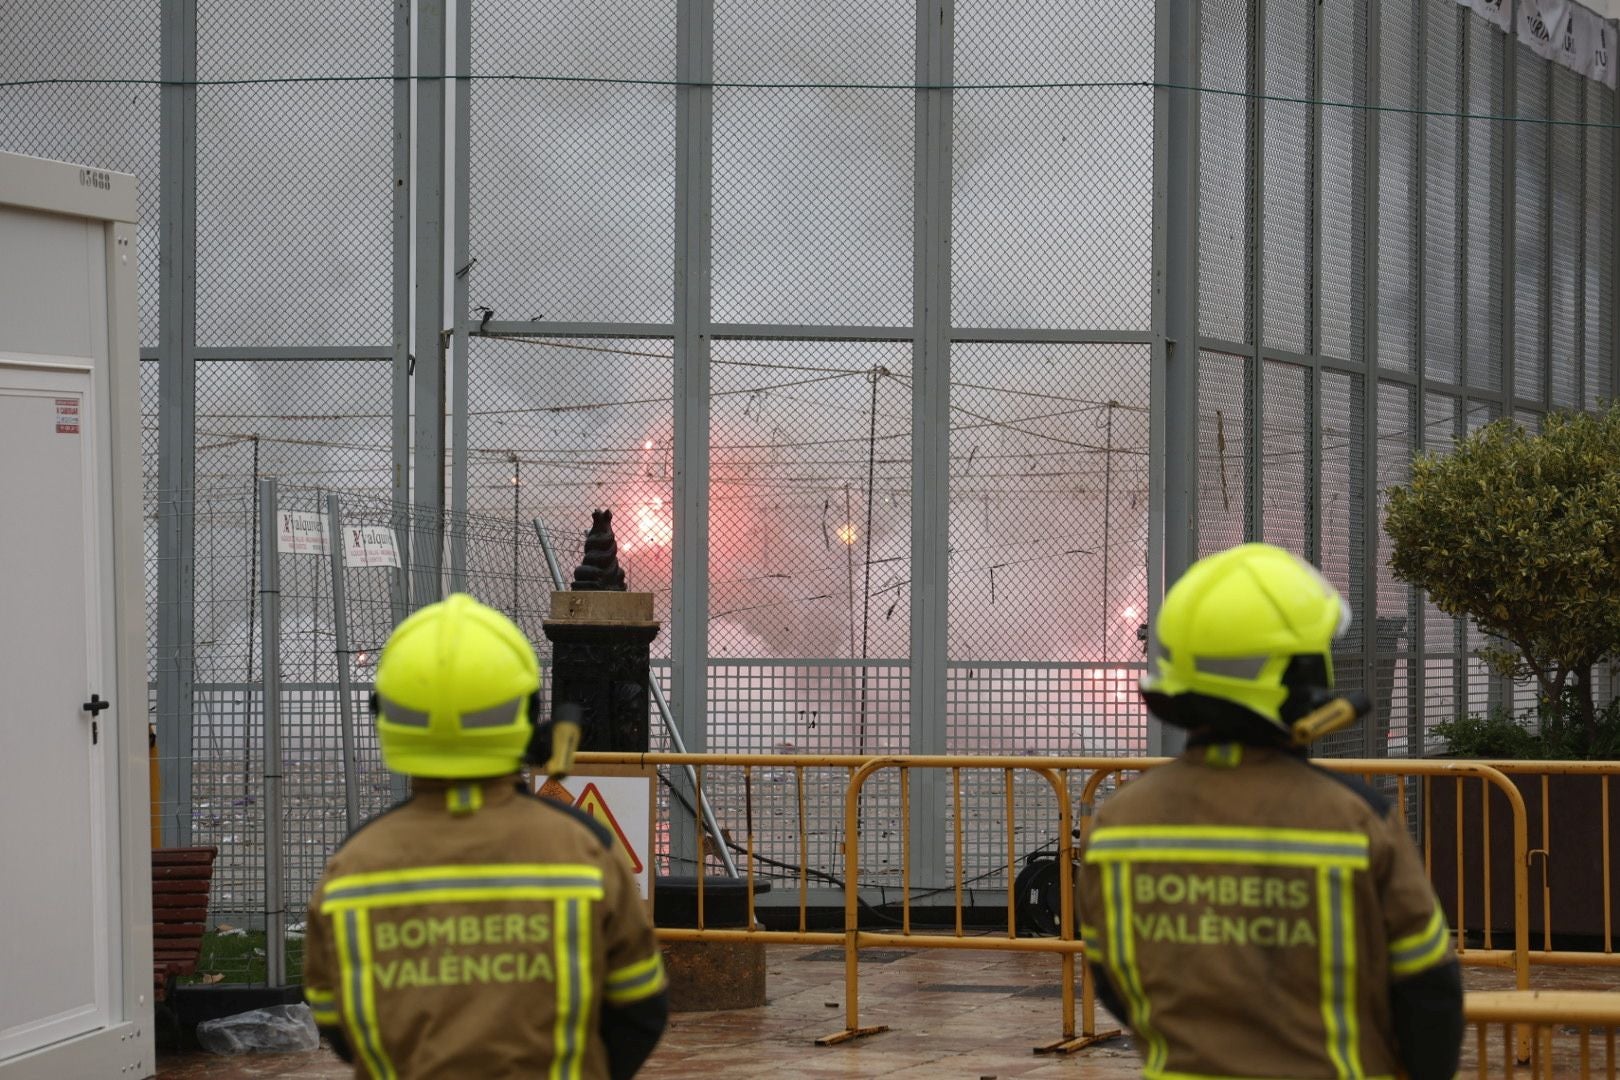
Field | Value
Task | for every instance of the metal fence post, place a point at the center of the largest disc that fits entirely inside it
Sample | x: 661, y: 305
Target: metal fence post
x: 275, y: 916
x: 1173, y: 415
x: 689, y: 600
x: 177, y: 416
x: 401, y: 320
x: 461, y: 156
x: 428, y: 482
x: 340, y: 622
x: 931, y: 427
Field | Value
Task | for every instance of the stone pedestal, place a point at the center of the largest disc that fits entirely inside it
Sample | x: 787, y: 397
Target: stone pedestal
x: 600, y: 661
x: 706, y: 975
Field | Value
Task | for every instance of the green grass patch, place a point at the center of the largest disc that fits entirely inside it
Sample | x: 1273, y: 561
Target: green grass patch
x: 240, y: 958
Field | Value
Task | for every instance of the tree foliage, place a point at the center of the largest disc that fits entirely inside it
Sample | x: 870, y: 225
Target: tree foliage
x: 1521, y: 533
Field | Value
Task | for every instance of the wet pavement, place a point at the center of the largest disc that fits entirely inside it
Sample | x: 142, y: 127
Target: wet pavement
x: 950, y: 1013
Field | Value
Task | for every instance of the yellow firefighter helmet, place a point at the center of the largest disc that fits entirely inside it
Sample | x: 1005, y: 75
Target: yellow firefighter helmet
x: 1251, y: 626
x: 457, y: 692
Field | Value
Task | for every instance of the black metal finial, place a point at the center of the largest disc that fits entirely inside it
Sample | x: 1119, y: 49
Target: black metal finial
x: 601, y: 569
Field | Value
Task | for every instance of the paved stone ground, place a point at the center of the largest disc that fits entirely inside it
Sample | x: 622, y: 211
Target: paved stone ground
x: 951, y: 1014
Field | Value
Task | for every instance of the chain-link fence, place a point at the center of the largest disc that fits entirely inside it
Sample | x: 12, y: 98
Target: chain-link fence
x: 868, y: 327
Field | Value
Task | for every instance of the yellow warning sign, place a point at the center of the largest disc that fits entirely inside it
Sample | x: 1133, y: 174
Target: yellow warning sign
x: 592, y: 803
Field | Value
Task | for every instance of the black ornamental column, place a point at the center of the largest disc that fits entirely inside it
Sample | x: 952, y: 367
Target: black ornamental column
x: 601, y: 635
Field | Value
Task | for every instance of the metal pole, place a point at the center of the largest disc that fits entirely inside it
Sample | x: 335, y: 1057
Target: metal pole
x: 551, y: 557
x: 177, y: 387
x: 429, y: 328
x: 461, y: 155
x: 694, y: 165
x: 1108, y: 524
x: 675, y: 740
x: 663, y: 711
x: 1367, y: 599
x: 1173, y: 420
x: 400, y: 424
x: 517, y: 485
x: 935, y: 36
x: 340, y: 619
x: 866, y: 586
x: 275, y: 915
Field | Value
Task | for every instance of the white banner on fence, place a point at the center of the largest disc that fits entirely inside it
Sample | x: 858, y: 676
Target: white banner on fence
x: 1542, y: 25
x: 1603, y: 36
x: 1499, y: 13
x: 302, y: 533
x: 369, y: 545
x: 1558, y: 30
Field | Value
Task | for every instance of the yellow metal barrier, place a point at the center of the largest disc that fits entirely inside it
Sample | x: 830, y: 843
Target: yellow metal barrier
x: 1077, y: 1031
x: 1544, y: 770
x: 1570, y: 1032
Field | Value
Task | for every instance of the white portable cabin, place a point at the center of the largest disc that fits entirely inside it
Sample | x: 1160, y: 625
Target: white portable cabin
x: 75, y: 844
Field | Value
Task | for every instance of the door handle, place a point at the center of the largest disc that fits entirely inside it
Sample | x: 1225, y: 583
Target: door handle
x: 95, y: 705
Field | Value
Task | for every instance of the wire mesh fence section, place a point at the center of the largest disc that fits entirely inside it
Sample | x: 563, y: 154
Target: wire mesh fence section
x: 1531, y: 182
x: 1042, y: 239
x: 315, y: 425
x: 556, y: 429
x: 1341, y: 451
x: 1341, y: 301
x: 225, y: 755
x: 92, y: 123
x: 1049, y: 502
x: 1442, y: 425
x: 572, y: 183
x: 1287, y: 136
x: 1442, y: 193
x: 1399, y: 186
x: 1566, y: 240
x: 1287, y: 468
x: 295, y: 180
x: 761, y: 705
x: 1484, y: 268
x: 810, y: 499
x: 1395, y: 684
x: 149, y: 506
x: 1598, y: 224
x: 1225, y: 463
x: 1225, y: 305
x: 813, y: 187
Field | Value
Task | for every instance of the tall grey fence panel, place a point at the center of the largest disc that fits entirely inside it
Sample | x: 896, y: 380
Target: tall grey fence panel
x: 1403, y: 234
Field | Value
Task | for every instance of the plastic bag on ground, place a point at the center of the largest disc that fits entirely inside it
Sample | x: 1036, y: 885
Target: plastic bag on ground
x: 279, y: 1029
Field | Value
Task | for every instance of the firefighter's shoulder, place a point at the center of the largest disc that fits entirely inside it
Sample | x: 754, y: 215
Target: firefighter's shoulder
x: 1145, y: 795
x: 357, y: 834
x: 551, y: 806
x: 1378, y: 803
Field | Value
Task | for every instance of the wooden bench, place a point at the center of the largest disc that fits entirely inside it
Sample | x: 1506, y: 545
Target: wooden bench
x: 180, y: 881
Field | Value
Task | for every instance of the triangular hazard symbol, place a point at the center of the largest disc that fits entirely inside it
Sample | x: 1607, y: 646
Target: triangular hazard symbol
x: 556, y: 792
x: 592, y: 803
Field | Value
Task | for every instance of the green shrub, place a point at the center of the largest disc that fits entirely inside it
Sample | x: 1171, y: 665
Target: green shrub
x: 1546, y: 733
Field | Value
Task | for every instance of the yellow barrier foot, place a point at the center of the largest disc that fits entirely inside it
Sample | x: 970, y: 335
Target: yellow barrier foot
x: 1078, y: 1042
x: 850, y: 1033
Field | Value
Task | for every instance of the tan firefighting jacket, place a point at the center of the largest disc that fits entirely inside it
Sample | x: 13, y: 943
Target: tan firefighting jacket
x: 475, y: 931
x: 1251, y: 911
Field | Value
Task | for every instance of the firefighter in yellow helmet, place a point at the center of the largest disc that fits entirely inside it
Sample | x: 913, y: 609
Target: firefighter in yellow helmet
x: 1244, y: 912
x: 475, y: 930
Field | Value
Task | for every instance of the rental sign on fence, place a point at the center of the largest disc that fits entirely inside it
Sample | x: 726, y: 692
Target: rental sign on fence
x: 304, y: 533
